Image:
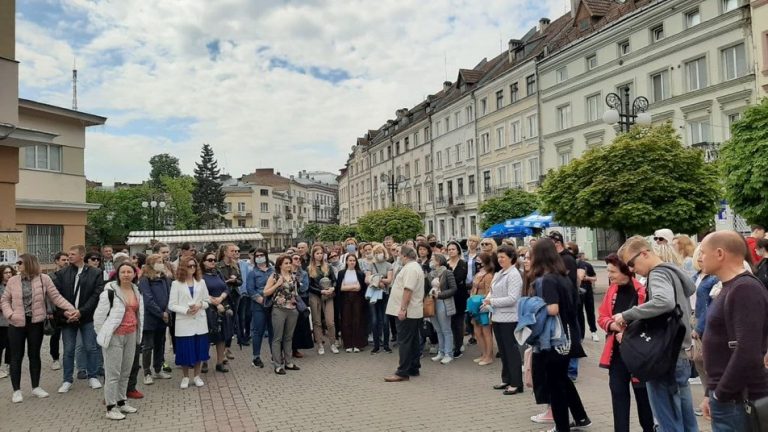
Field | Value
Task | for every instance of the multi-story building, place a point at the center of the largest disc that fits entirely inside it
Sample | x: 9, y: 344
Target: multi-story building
x: 759, y: 18
x: 321, y: 195
x: 692, y: 59
x: 357, y: 182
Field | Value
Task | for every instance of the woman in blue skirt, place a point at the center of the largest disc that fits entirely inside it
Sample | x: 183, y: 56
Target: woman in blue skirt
x: 189, y: 298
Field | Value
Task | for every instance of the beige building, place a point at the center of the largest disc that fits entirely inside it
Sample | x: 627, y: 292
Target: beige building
x: 759, y: 20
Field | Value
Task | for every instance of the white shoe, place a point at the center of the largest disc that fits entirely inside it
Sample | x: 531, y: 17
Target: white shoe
x: 321, y: 350
x: 115, y: 414
x: 334, y: 349
x: 127, y: 409
x: 56, y: 365
x: 184, y: 383
x: 595, y: 337
x: 694, y: 381
x: 357, y: 350
x: 94, y: 383
x: 65, y: 386
x: 446, y: 360
x: 162, y: 375
x: 349, y: 350
x: 463, y: 347
x: 437, y: 358
x: 3, y: 374
x: 198, y: 381
x: 148, y: 380
x: 17, y: 397
x: 40, y: 393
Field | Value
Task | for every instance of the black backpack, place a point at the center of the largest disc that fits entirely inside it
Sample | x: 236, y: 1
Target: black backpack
x: 650, y: 347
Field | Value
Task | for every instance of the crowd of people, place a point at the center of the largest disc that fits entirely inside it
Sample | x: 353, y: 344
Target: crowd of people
x: 526, y: 306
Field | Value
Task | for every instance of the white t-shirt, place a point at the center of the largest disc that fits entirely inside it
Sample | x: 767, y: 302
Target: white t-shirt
x: 410, y: 277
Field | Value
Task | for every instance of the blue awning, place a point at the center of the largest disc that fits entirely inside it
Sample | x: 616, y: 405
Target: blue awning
x: 533, y: 220
x: 502, y: 230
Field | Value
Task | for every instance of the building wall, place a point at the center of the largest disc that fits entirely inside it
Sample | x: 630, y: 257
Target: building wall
x: 760, y: 38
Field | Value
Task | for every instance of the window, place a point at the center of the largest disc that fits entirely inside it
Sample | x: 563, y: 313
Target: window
x: 431, y: 226
x: 533, y: 125
x: 43, y: 157
x: 241, y: 206
x: 700, y: 131
x: 426, y: 134
x: 228, y: 207
x: 427, y: 166
x: 734, y: 62
x: 397, y: 148
x: 483, y: 106
x: 460, y: 187
x: 389, y: 152
x: 448, y: 157
x: 660, y: 85
x: 470, y: 114
x: 264, y: 223
x: 416, y: 167
x: 241, y: 223
x: 533, y: 169
x: 381, y: 155
x: 452, y: 225
x: 499, y: 99
x: 624, y: 48
x: 406, y: 143
x: 657, y: 33
x: 264, y: 192
x: 517, y: 174
x: 486, y: 181
x: 561, y: 74
x: 408, y: 170
x: 696, y: 73
x: 593, y: 107
x: 462, y: 227
x: 732, y: 118
x: 563, y: 117
x: 591, y: 62
x: 447, y: 124
x: 265, y: 207
x: 44, y: 241
x: 473, y: 225
x: 439, y: 160
x: 440, y: 192
x: 501, y: 175
x: 514, y: 132
x: 485, y: 142
x: 471, y: 184
x: 500, y: 138
x: 513, y: 93
x: 456, y: 119
x: 470, y: 148
x: 530, y: 85
x: 563, y: 158
x: 415, y: 140
x: 458, y: 152
x: 692, y: 18
x: 729, y: 5
x: 437, y: 127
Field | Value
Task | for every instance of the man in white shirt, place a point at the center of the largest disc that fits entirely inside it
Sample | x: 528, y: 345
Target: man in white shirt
x: 406, y: 302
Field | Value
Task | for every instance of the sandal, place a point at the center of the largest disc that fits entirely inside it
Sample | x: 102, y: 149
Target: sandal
x: 501, y: 386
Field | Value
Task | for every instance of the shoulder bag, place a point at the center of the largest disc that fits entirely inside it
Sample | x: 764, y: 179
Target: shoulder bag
x: 49, y: 324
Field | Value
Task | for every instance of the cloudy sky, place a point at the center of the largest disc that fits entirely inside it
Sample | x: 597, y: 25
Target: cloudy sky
x: 287, y: 84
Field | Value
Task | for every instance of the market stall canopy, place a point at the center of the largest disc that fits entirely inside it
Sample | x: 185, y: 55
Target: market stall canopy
x: 195, y: 236
x: 503, y: 230
x: 533, y: 220
x: 520, y: 227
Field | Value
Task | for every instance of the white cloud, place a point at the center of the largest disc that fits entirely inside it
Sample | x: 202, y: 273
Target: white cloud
x: 142, y: 62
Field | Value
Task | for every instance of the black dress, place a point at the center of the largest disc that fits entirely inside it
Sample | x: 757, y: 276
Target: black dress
x: 302, y: 334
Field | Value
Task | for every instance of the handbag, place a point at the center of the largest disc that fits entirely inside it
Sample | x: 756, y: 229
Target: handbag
x: 429, y: 306
x: 49, y: 327
x: 301, y: 305
x: 528, y: 368
x: 757, y: 414
x: 650, y: 347
x: 214, y: 323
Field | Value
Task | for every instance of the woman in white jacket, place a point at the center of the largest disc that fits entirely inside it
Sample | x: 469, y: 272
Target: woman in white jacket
x: 118, y: 322
x: 189, y: 299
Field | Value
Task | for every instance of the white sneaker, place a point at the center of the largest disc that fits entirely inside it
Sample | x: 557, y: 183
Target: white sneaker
x: 162, y: 375
x: 595, y: 337
x: 334, y: 349
x: 3, y: 374
x: 437, y: 358
x: 321, y: 350
x: 127, y: 409
x: 446, y: 360
x: 148, y: 380
x: 94, y: 383
x: 694, y: 381
x: 357, y: 350
x: 198, y: 381
x: 349, y: 350
x: 115, y: 414
x: 17, y: 397
x: 184, y: 382
x: 40, y: 393
x: 65, y: 386
x: 56, y: 365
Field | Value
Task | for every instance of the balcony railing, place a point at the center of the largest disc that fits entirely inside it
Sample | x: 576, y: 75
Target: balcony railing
x: 711, y: 150
x: 441, y: 202
x: 456, y: 202
x: 242, y: 213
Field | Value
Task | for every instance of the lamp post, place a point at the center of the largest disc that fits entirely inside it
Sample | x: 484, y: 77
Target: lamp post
x: 393, y: 183
x: 622, y: 113
x: 316, y: 208
x: 154, y: 207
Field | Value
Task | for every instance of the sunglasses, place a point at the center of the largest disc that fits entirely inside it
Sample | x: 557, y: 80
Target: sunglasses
x: 631, y: 262
x: 658, y: 239
x: 236, y: 251
x: 485, y: 244
x: 210, y: 260
x: 94, y: 259
x: 19, y: 262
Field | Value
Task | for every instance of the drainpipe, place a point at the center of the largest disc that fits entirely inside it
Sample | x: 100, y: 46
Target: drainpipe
x: 432, y: 161
x: 477, y: 162
x: 539, y: 122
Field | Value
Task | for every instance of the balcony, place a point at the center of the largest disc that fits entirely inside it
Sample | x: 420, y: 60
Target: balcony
x: 277, y: 216
x: 456, y: 203
x: 241, y: 213
x: 441, y: 202
x: 499, y: 189
x: 299, y: 200
x: 289, y: 215
x: 711, y: 150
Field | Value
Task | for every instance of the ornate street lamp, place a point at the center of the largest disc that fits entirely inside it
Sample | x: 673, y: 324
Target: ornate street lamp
x: 625, y: 115
x: 154, y: 208
x: 393, y: 183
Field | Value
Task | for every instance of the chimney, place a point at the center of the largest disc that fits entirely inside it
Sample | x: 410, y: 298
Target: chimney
x: 514, y: 44
x: 574, y: 7
x: 543, y: 24
x: 447, y: 85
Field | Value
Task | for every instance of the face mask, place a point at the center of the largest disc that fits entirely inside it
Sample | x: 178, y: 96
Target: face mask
x: 432, y: 244
x: 260, y: 260
x: 159, y: 267
x: 351, y: 248
x: 432, y: 265
x: 379, y: 257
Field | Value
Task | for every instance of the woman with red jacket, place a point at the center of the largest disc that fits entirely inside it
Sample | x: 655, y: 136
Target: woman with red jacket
x: 624, y: 293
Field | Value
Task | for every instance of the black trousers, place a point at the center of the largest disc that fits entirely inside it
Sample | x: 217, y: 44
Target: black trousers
x: 511, y: 359
x: 4, y: 345
x: 619, y: 381
x: 587, y: 304
x: 563, y: 395
x: 408, y: 340
x: 153, y: 350
x: 539, y: 375
x: 133, y: 377
x: 457, y: 328
x: 55, y: 343
x: 32, y: 335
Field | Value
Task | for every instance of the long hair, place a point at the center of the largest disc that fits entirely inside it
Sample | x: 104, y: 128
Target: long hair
x: 182, y: 273
x: 313, y: 264
x: 685, y: 246
x: 667, y: 254
x: 357, y: 262
x: 545, y: 259
x: 31, y: 266
x: 148, y: 269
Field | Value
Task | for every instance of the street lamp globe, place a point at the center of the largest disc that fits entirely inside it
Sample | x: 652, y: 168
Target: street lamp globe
x: 384, y: 178
x: 162, y: 204
x: 611, y: 116
x: 153, y: 204
x: 643, y: 118
x: 144, y: 204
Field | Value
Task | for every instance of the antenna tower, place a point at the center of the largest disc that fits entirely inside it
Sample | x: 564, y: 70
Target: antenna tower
x: 74, y: 85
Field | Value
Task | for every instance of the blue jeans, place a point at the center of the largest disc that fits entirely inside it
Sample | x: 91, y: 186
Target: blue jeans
x: 442, y: 324
x: 671, y: 400
x: 573, y: 368
x: 727, y: 416
x: 260, y: 322
x: 91, y: 349
x: 379, y: 323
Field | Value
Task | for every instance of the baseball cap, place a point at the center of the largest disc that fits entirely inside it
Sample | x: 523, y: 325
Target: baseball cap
x: 556, y: 236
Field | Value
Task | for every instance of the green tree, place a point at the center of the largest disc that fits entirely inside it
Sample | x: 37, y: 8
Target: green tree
x: 514, y: 203
x: 120, y: 213
x: 335, y: 233
x: 645, y: 180
x: 179, y: 196
x: 310, y: 231
x: 163, y: 165
x: 400, y: 222
x: 744, y: 166
x: 207, y: 198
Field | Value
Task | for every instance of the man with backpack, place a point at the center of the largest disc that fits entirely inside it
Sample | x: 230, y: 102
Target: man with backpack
x: 667, y: 286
